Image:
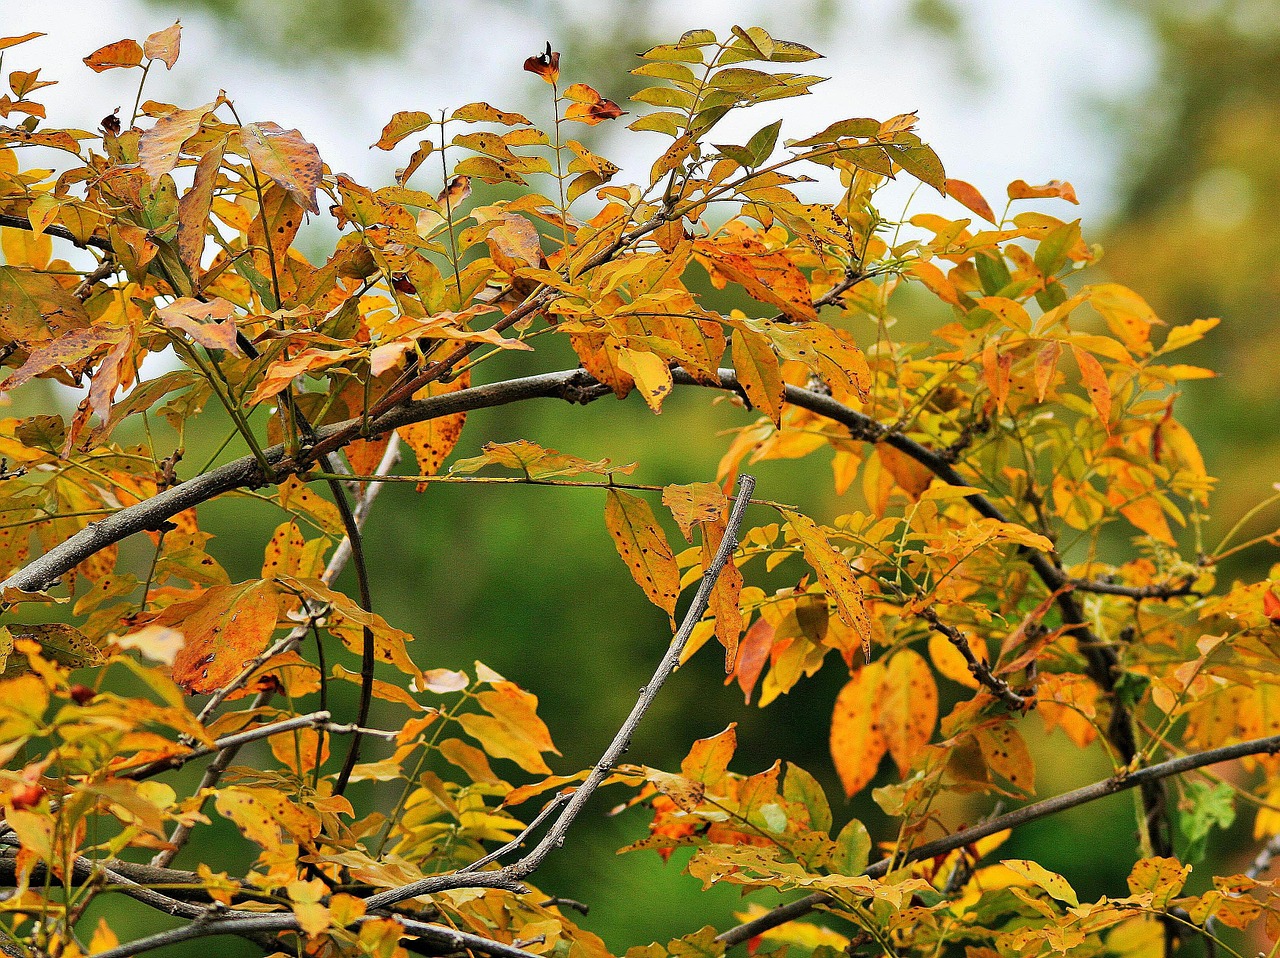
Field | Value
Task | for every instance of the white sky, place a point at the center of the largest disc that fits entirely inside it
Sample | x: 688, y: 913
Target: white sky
x: 1047, y: 64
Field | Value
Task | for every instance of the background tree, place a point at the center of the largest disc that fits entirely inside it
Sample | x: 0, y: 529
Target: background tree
x: 997, y: 454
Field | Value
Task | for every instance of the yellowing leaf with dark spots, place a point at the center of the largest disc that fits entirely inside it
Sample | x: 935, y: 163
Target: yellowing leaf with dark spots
x: 768, y: 276
x: 433, y: 439
x: 650, y: 373
x: 643, y: 547
x: 288, y: 552
x: 708, y: 759
x: 908, y: 707
x: 1127, y: 313
x: 512, y: 729
x: 1162, y: 878
x: 266, y: 816
x: 1038, y: 875
x: 300, y: 499
x: 1094, y: 378
x: 836, y: 575
x: 686, y: 793
x: 402, y: 124
x: 61, y: 643
x: 694, y: 504
x: 857, y: 738
x: 1006, y: 754
x: 287, y: 158
x: 224, y: 627
x: 278, y: 221
x: 759, y: 372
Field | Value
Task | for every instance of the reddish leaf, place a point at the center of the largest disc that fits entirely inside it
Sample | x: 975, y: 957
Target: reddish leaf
x: 118, y: 55
x: 968, y: 196
x: 545, y: 65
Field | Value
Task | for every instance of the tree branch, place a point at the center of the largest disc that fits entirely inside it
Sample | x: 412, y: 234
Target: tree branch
x: 555, y: 835
x: 1149, y: 775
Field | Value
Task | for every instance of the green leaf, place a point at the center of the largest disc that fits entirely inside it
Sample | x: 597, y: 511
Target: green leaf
x: 853, y: 849
x: 803, y: 789
x: 1204, y: 805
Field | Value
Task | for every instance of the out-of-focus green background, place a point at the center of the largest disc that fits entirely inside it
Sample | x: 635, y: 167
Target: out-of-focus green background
x: 1166, y: 115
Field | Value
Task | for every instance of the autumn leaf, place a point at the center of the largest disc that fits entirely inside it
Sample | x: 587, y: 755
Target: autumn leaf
x: 1022, y: 190
x: 969, y: 197
x: 643, y: 547
x: 163, y: 45
x: 159, y: 147
x: 432, y: 440
x: 857, y: 738
x: 908, y: 708
x: 759, y: 372
x: 225, y: 626
x: 118, y: 55
x: 1094, y: 378
x: 292, y: 162
x: 836, y: 575
x: 512, y: 728
x: 211, y: 323
x: 545, y: 65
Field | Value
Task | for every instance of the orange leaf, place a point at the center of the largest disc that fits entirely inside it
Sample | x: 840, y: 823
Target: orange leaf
x: 225, y: 626
x: 643, y: 547
x: 1095, y: 382
x: 163, y: 45
x: 119, y: 55
x: 1046, y: 366
x: 908, y: 707
x: 402, y: 124
x: 1022, y: 190
x: 1006, y: 754
x: 194, y: 207
x: 212, y: 324
x: 433, y: 439
x: 708, y: 759
x: 759, y: 372
x: 857, y: 740
x: 753, y: 653
x: 968, y: 196
x: 769, y: 277
x: 159, y: 146
x: 287, y: 158
x: 512, y: 729
x: 836, y: 575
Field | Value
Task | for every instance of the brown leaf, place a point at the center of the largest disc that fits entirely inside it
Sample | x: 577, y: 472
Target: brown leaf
x: 545, y: 65
x: 163, y: 44
x: 67, y: 352
x: 225, y: 626
x: 119, y: 55
x: 194, y: 206
x: 643, y: 547
x: 292, y: 162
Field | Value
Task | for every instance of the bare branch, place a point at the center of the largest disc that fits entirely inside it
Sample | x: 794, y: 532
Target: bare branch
x: 1156, y: 590
x: 555, y: 835
x: 311, y: 720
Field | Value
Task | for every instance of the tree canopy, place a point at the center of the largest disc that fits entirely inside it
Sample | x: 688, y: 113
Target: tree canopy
x: 1018, y: 546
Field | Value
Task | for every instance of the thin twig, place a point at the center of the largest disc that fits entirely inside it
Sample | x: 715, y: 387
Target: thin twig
x: 1156, y: 590
x: 555, y: 836
x: 311, y: 720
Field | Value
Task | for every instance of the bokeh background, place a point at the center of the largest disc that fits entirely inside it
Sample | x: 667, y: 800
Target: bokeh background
x: 1165, y: 116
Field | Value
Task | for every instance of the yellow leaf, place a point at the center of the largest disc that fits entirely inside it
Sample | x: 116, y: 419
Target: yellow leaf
x: 836, y: 575
x: 1006, y: 754
x: 433, y: 439
x: 1038, y: 875
x: 643, y: 547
